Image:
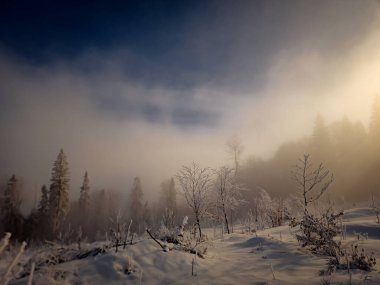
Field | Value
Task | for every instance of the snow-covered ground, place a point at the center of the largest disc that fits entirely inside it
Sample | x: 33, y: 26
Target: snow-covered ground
x: 271, y: 256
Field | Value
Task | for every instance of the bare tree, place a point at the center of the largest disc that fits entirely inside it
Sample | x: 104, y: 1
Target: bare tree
x: 261, y: 204
x: 196, y: 183
x: 228, y: 192
x: 312, y: 183
x: 234, y: 149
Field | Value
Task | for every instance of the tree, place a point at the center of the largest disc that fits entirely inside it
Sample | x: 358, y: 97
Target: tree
x: 312, y: 183
x: 321, y: 145
x: 168, y: 197
x: 136, y: 205
x: 196, y: 183
x: 228, y: 192
x: 146, y: 215
x: 59, y: 192
x: 261, y: 204
x: 43, y: 213
x: 11, y: 217
x: 84, y: 203
x: 99, y: 214
x: 234, y: 149
x: 374, y: 129
x: 43, y: 205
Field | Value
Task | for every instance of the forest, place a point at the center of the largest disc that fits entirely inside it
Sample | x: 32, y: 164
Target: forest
x: 263, y: 189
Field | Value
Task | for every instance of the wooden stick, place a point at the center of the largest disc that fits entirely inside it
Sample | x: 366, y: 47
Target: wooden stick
x: 163, y: 248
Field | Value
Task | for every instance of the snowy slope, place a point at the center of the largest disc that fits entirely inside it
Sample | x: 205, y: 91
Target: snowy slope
x: 271, y: 257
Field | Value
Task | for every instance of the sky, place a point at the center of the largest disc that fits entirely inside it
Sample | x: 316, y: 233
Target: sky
x: 140, y: 88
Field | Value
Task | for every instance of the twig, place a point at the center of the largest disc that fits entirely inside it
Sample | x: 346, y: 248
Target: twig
x: 30, y: 278
x: 5, y: 241
x: 5, y: 279
x: 163, y: 248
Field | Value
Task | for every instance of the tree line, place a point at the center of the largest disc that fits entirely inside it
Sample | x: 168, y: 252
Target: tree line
x: 349, y: 149
x: 255, y: 191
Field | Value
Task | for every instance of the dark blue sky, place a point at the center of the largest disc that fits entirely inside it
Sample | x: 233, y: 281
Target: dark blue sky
x: 45, y: 28
x: 153, y: 32
x: 182, y: 43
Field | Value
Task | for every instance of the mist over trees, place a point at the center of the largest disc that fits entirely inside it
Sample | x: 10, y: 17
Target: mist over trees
x: 250, y: 189
x: 345, y: 147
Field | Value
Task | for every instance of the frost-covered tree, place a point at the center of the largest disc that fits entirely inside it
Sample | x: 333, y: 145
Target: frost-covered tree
x: 196, y: 184
x: 228, y: 193
x: 84, y: 203
x: 277, y: 212
x: 11, y: 218
x: 311, y: 182
x: 59, y: 192
x: 136, y: 205
x: 261, y: 205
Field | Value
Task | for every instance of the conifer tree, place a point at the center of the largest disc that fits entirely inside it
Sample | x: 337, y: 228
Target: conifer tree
x: 168, y: 198
x: 136, y: 206
x: 375, y: 123
x: 84, y: 203
x: 11, y: 217
x: 42, y: 215
x: 59, y: 192
x: 43, y: 205
x: 146, y: 215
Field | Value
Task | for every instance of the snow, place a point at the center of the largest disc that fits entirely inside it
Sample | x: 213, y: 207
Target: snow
x: 271, y: 256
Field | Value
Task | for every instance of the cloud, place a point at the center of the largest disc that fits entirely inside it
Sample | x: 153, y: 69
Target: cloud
x: 263, y: 74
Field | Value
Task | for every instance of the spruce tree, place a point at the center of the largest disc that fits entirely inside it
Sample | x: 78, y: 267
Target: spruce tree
x: 43, y: 205
x: 374, y: 129
x: 43, y: 213
x: 59, y: 192
x: 84, y: 203
x: 147, y: 215
x: 168, y: 198
x: 136, y: 206
x: 11, y: 217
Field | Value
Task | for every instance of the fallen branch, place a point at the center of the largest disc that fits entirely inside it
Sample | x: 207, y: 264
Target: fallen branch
x: 163, y: 247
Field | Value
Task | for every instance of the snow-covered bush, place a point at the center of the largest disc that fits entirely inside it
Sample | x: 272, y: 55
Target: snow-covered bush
x: 361, y: 260
x: 355, y: 259
x: 176, y: 235
x: 318, y: 234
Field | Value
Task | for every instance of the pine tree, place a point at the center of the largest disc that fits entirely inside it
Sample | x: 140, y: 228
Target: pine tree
x: 374, y: 129
x: 146, y: 215
x: 168, y: 199
x: 42, y: 215
x: 43, y: 206
x: 99, y: 215
x: 11, y: 217
x: 84, y: 203
x: 136, y: 206
x: 59, y: 192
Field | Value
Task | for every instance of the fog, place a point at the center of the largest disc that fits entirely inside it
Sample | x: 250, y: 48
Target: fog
x: 119, y: 115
